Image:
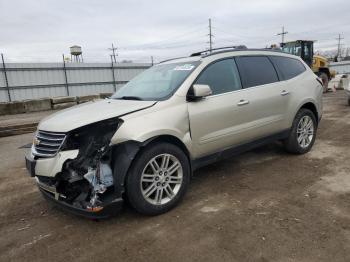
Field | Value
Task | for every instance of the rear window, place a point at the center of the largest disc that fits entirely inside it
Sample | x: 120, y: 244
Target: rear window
x: 287, y: 67
x: 256, y: 70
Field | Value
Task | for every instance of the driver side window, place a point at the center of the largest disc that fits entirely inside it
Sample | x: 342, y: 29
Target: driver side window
x: 221, y: 76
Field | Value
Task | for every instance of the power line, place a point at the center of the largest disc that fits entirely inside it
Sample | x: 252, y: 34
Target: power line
x: 195, y: 30
x: 228, y: 33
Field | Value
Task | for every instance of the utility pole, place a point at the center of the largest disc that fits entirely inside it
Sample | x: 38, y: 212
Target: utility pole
x: 113, y: 75
x: 210, y: 37
x: 283, y: 33
x: 113, y: 49
x: 6, y: 79
x: 65, y: 75
x: 339, y: 38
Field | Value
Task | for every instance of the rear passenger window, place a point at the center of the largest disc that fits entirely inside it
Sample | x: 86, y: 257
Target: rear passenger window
x: 288, y: 67
x: 256, y: 70
x: 221, y: 76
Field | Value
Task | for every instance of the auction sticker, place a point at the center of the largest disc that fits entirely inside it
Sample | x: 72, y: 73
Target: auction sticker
x: 185, y: 67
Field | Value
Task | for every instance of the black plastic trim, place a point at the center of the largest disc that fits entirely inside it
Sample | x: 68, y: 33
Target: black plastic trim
x: 30, y: 164
x: 122, y: 156
x: 109, y: 210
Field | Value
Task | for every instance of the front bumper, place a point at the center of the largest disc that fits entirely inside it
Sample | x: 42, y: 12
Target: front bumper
x: 107, y: 210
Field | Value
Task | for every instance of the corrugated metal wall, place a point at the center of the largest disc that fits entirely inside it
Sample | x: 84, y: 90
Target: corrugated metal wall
x: 341, y: 67
x: 38, y: 80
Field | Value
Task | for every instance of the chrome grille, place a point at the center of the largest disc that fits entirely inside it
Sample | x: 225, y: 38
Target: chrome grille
x: 47, y: 144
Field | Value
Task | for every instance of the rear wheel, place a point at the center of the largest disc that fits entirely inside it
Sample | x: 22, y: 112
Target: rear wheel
x: 158, y: 179
x: 325, y: 81
x: 303, y: 133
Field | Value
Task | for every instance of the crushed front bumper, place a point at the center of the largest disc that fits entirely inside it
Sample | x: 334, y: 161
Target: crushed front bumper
x: 107, y: 210
x: 110, y: 209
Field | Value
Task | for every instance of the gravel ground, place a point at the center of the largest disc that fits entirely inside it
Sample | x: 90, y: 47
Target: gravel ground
x: 264, y: 205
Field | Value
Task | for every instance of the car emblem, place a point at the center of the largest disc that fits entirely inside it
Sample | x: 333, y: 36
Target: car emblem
x: 36, y: 141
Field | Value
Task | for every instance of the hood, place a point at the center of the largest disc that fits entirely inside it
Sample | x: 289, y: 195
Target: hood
x: 88, y: 113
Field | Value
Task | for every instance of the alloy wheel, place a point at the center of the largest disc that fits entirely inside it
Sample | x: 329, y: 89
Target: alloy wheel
x: 161, y: 179
x: 305, y: 131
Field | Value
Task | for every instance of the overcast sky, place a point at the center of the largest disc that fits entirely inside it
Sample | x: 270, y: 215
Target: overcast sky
x: 42, y: 30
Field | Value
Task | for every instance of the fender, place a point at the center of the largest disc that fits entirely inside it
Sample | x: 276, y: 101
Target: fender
x: 123, y: 155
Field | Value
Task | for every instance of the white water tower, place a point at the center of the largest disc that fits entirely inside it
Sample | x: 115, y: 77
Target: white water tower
x: 76, y: 54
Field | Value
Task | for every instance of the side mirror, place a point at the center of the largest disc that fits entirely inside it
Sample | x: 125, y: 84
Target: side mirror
x: 200, y: 91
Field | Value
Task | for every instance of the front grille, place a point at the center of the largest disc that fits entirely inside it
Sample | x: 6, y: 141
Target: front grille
x: 47, y: 144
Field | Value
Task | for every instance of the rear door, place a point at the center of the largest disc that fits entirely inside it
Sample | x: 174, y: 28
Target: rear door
x: 290, y: 71
x: 264, y: 98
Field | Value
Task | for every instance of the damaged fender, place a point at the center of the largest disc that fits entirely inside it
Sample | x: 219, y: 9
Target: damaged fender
x: 123, y: 155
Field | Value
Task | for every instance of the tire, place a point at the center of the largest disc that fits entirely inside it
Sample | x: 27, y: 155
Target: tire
x: 148, y: 171
x: 292, y: 144
x: 325, y: 81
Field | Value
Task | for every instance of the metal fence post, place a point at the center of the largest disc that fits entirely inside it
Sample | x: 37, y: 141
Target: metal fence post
x: 65, y: 76
x: 6, y: 79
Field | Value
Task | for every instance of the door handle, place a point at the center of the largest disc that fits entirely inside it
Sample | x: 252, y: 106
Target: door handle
x: 284, y: 93
x: 243, y: 102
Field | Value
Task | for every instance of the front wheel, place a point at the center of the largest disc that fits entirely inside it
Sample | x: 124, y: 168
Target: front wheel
x: 303, y: 132
x: 158, y: 179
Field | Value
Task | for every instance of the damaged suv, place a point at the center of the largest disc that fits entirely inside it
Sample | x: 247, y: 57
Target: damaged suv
x: 143, y: 143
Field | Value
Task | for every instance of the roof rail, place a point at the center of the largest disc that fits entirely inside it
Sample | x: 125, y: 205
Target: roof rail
x: 209, y: 52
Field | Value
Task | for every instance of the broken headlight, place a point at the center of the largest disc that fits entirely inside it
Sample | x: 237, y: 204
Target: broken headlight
x: 99, y: 133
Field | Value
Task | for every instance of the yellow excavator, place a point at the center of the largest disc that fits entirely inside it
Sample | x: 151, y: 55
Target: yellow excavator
x: 318, y: 64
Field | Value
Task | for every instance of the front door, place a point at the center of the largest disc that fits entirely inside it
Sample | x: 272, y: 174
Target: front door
x: 213, y: 118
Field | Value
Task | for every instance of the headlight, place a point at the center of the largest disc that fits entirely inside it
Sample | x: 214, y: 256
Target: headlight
x: 97, y: 134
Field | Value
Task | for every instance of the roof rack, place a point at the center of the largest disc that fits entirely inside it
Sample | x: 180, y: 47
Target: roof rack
x: 210, y: 52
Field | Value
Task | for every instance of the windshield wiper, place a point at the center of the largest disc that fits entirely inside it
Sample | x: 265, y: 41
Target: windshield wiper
x: 129, y: 98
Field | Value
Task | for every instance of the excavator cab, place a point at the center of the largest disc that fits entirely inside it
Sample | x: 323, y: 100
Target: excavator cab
x: 302, y: 48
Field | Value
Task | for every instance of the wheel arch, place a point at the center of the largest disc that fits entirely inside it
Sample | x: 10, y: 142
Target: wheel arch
x: 171, y: 140
x: 125, y: 153
x: 312, y: 107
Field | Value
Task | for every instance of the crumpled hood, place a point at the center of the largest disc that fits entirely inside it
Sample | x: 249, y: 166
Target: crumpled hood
x: 88, y: 113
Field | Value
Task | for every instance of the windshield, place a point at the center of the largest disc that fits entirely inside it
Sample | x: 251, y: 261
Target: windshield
x: 157, y: 83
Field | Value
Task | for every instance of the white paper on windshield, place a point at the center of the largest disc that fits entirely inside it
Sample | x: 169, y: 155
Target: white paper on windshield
x: 186, y: 67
